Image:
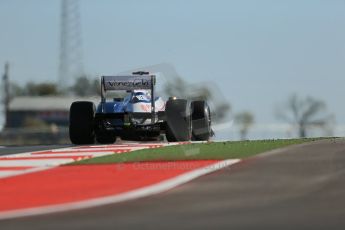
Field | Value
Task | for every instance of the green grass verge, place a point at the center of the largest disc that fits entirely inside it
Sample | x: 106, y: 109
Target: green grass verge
x: 206, y: 151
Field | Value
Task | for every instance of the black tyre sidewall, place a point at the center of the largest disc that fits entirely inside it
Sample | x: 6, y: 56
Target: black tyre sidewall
x: 81, y: 126
x: 201, y: 127
x: 178, y: 120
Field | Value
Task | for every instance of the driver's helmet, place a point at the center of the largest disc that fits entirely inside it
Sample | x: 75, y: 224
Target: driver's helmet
x: 141, y: 96
x: 145, y: 93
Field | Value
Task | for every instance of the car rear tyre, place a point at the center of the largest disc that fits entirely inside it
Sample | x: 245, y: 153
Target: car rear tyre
x: 178, y: 120
x: 201, y: 121
x: 81, y: 122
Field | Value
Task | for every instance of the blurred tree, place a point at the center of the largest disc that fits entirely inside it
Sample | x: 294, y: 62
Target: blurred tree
x: 96, y: 87
x: 176, y: 86
x: 244, y: 120
x: 16, y: 90
x: 33, y: 89
x: 41, y: 89
x: 83, y: 86
x: 305, y: 113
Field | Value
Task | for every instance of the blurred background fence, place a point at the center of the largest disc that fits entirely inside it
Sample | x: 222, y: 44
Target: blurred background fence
x: 34, y: 136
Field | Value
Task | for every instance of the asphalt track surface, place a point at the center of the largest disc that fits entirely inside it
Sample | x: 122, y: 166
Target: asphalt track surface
x: 300, y: 187
x: 22, y: 149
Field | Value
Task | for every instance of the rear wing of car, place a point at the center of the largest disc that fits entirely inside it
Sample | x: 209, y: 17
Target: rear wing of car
x: 128, y: 82
x: 139, y: 80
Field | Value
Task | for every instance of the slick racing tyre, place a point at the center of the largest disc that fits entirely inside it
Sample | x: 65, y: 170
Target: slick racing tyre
x: 81, y: 122
x: 178, y: 120
x: 201, y: 121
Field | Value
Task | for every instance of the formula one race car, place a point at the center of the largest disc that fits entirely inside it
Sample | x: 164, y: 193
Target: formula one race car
x: 138, y: 116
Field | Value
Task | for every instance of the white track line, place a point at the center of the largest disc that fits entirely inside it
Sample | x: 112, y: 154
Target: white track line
x: 6, y: 173
x: 34, y: 162
x: 20, y: 172
x: 26, y: 154
x: 134, y: 194
x: 98, y: 154
x: 67, y: 154
x: 97, y: 149
x: 80, y: 151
